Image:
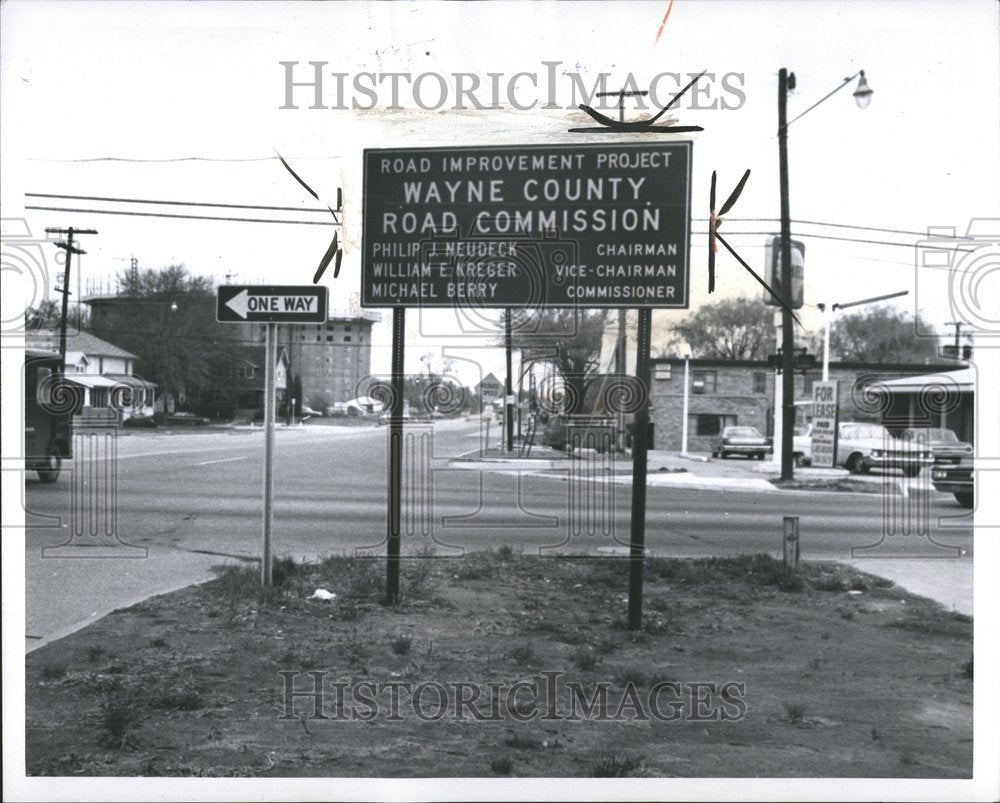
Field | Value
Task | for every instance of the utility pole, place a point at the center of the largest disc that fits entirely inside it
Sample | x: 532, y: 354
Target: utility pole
x: 787, y: 335
x: 620, y: 349
x: 958, y: 334
x: 70, y: 249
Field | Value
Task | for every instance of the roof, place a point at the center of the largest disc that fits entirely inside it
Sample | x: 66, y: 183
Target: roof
x: 963, y: 380
x: 849, y: 365
x: 76, y: 341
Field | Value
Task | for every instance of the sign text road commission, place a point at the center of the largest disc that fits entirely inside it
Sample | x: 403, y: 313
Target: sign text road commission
x: 525, y: 225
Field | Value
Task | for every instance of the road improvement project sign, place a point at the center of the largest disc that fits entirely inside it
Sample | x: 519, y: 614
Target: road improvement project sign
x: 527, y: 225
x: 271, y: 304
x: 824, y: 424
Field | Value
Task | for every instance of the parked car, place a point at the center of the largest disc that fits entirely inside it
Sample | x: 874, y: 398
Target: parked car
x: 140, y: 421
x: 802, y: 446
x: 951, y: 478
x: 564, y: 432
x: 740, y: 440
x: 944, y: 443
x: 187, y: 420
x: 861, y: 447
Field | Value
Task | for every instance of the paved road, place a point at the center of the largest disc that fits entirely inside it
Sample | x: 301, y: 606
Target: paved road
x: 191, y: 501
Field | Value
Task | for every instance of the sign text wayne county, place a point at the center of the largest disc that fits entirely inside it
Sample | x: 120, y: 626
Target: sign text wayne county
x: 527, y: 225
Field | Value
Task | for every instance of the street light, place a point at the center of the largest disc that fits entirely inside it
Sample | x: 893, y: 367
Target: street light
x: 828, y: 320
x: 786, y: 83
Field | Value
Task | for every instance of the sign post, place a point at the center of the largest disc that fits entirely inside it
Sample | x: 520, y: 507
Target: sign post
x: 824, y: 424
x: 270, y: 305
x: 392, y: 547
x: 640, y: 444
x: 270, y: 347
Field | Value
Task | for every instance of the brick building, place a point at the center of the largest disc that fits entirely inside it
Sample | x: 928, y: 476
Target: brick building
x: 729, y: 392
x: 331, y: 360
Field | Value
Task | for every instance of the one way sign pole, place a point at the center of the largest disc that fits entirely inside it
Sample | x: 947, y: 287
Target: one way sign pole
x: 270, y: 305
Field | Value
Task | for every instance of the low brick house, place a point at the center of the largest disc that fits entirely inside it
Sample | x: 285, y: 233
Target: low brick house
x: 729, y: 392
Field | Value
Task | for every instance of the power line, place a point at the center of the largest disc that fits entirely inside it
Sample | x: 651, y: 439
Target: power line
x: 177, y: 159
x: 173, y: 203
x: 186, y: 217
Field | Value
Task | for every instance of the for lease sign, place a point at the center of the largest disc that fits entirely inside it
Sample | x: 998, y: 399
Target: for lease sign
x: 527, y: 225
x: 824, y: 424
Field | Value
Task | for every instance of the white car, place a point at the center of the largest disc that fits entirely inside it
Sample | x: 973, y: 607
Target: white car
x: 861, y: 447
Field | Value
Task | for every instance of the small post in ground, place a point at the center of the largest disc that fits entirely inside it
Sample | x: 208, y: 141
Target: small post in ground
x: 790, y: 542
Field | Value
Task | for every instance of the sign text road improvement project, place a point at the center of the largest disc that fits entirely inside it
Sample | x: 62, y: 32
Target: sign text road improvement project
x: 527, y: 225
x: 271, y: 303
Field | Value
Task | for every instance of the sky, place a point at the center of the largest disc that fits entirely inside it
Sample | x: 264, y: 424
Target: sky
x: 148, y: 82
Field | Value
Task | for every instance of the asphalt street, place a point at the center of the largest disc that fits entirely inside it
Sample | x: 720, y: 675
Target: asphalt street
x: 185, y: 502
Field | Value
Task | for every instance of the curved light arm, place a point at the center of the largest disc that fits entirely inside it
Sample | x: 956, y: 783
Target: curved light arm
x: 827, y: 96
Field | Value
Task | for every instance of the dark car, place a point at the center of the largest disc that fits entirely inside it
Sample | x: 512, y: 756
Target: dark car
x: 944, y: 443
x: 740, y: 440
x: 955, y: 479
x: 567, y: 432
x: 187, y: 420
x: 139, y: 422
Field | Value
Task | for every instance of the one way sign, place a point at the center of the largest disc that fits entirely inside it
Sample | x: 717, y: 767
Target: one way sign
x: 238, y: 303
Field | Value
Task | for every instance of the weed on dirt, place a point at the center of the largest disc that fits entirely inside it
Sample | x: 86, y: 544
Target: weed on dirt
x: 500, y: 663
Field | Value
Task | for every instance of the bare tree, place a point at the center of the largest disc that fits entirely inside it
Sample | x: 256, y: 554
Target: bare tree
x: 731, y: 329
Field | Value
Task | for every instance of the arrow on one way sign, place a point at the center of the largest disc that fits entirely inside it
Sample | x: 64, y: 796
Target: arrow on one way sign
x: 272, y: 304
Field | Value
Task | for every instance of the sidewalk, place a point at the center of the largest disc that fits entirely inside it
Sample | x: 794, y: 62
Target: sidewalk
x: 671, y: 469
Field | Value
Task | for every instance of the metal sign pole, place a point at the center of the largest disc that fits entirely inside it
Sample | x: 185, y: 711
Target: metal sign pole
x: 508, y: 409
x: 270, y: 358
x: 395, y: 457
x: 640, y: 445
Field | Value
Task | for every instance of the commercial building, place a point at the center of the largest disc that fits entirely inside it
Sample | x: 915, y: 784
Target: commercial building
x: 725, y: 393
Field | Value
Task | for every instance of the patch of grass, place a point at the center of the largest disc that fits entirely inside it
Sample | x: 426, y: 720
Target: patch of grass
x: 858, y: 583
x: 53, y: 672
x: 637, y: 677
x: 502, y: 765
x: 181, y: 695
x: 847, y: 613
x: 401, y: 644
x: 815, y: 664
x: 876, y: 735
x: 795, y: 712
x: 523, y: 654
x: 95, y: 653
x: 523, y: 743
x: 238, y: 585
x: 284, y: 570
x: 615, y: 765
x: 830, y: 582
x: 967, y: 669
x: 605, y: 646
x: 159, y: 641
x: 932, y: 621
x: 507, y: 553
x: 584, y: 658
x: 119, y: 714
x: 298, y: 657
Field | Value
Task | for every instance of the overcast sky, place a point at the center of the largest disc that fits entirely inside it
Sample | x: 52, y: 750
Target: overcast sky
x: 161, y: 81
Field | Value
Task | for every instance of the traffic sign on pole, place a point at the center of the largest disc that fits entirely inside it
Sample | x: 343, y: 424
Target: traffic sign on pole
x: 271, y: 303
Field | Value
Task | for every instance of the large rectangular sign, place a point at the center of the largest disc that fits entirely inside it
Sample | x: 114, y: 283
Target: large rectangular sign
x: 824, y: 424
x: 527, y: 225
x: 772, y: 263
x: 271, y: 303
